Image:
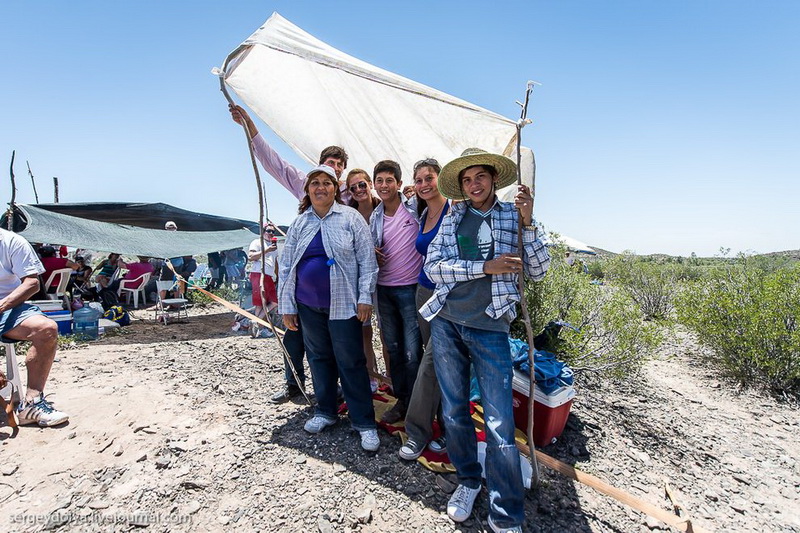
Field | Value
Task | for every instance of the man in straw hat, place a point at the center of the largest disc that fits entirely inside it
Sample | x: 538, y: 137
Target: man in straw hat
x: 474, y: 261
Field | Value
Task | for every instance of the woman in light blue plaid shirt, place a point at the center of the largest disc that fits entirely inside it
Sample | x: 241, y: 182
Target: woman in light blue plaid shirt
x: 327, y: 275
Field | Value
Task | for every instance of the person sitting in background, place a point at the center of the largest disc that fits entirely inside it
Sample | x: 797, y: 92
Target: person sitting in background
x: 135, y: 270
x: 51, y: 264
x: 107, y: 268
x: 409, y: 192
x: 19, y: 321
x: 81, y: 276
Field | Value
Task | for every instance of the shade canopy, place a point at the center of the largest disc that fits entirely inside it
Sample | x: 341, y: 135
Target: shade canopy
x: 313, y: 95
x: 98, y: 229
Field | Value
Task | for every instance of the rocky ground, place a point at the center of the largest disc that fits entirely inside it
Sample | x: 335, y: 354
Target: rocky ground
x: 171, y: 430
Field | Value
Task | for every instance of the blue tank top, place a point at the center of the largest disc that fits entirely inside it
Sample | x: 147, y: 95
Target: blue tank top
x: 422, y: 243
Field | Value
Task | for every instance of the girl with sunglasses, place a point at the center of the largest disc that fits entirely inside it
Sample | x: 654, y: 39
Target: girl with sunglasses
x: 364, y: 201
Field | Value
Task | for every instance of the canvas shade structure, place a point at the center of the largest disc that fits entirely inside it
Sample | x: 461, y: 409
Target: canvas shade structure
x: 572, y: 244
x: 313, y: 95
x: 42, y: 225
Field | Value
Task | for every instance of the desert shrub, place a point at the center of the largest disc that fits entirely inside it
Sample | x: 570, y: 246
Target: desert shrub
x: 595, y: 269
x: 611, y: 337
x: 651, y: 284
x: 748, y: 317
x: 225, y: 292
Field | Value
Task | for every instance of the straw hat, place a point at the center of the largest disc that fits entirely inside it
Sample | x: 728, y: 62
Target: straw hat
x: 448, y: 177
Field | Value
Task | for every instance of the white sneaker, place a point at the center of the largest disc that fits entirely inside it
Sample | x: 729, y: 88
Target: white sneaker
x: 40, y: 412
x: 369, y: 440
x: 318, y: 423
x: 498, y: 529
x: 460, y: 505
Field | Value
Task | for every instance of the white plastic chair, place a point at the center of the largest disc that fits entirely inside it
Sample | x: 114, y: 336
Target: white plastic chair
x: 61, y: 288
x: 13, y: 391
x: 143, y: 279
x: 167, y: 308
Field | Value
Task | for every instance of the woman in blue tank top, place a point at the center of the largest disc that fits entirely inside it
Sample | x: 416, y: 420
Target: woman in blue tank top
x: 426, y: 397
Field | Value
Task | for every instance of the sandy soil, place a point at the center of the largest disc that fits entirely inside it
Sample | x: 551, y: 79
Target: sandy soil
x: 171, y: 430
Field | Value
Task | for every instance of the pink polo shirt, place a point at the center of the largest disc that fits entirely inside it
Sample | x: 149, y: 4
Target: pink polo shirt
x: 403, y: 262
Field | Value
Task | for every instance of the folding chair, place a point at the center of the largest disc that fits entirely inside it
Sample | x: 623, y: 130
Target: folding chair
x: 13, y: 392
x: 61, y: 288
x: 167, y: 308
x: 135, y: 290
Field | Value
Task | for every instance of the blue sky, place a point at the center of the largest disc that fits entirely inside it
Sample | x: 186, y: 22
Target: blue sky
x: 667, y: 127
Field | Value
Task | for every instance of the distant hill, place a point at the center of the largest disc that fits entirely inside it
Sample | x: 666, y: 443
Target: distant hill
x: 791, y: 255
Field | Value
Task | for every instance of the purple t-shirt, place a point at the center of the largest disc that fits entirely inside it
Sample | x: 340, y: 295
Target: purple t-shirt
x: 313, y: 275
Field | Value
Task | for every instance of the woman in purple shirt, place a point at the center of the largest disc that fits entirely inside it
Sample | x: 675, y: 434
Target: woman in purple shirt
x: 327, y: 275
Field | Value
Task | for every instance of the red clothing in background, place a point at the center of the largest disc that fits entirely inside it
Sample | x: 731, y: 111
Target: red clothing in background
x: 134, y: 271
x: 52, y: 264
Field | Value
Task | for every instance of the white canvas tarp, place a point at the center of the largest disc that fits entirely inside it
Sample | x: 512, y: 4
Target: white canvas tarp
x: 313, y: 95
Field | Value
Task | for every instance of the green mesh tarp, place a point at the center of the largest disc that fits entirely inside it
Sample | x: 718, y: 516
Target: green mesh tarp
x: 56, y: 228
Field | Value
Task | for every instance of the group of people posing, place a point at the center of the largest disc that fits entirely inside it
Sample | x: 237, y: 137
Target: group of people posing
x: 442, y: 269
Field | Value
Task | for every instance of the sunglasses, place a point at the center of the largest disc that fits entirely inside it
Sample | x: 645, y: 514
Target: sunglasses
x: 360, y: 186
x: 430, y: 162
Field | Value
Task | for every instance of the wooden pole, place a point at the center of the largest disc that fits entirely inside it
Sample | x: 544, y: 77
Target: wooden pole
x: 526, y: 318
x: 55, y: 189
x: 262, y: 216
x: 13, y: 193
x: 33, y: 182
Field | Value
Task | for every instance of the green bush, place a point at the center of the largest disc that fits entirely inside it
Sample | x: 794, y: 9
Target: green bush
x: 747, y: 315
x: 595, y: 268
x: 225, y: 292
x: 651, y: 284
x: 612, y: 337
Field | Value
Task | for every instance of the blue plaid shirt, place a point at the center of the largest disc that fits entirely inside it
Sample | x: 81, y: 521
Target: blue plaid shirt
x: 445, y: 268
x: 348, y: 244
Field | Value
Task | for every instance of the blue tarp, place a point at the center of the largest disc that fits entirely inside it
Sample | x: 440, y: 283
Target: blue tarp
x: 551, y: 374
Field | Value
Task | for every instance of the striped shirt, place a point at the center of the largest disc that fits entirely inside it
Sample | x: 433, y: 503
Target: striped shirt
x: 351, y: 256
x: 445, y: 268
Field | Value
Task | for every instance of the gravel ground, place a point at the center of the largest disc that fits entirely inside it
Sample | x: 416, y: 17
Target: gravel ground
x: 171, y: 430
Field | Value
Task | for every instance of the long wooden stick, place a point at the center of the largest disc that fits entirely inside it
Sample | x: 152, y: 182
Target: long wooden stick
x: 682, y: 524
x: 261, y: 214
x: 33, y: 181
x: 526, y: 318
x: 55, y: 189
x: 13, y: 193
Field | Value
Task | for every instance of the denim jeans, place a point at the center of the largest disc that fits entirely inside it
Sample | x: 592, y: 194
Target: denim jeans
x: 293, y: 342
x: 335, y: 351
x: 398, y: 314
x: 454, y: 347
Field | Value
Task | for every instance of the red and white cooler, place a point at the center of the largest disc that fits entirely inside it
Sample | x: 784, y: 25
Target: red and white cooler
x: 550, y: 411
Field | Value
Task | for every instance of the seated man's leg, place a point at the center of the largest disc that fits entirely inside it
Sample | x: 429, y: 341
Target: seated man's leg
x: 26, y: 323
